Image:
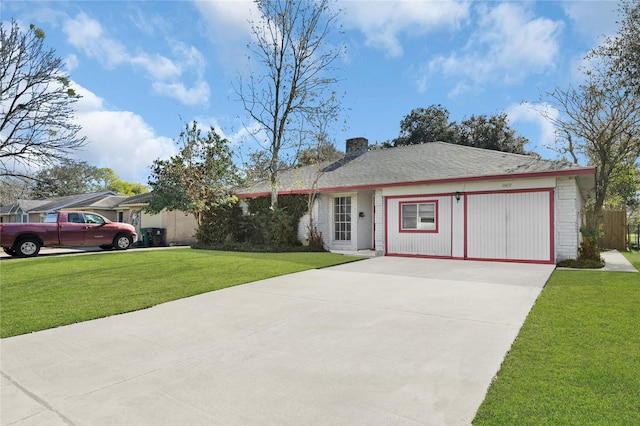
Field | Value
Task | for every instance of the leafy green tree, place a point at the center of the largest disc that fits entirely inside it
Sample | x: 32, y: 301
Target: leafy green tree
x: 293, y: 81
x: 258, y: 167
x: 200, y: 177
x: 107, y: 180
x: 323, y: 151
x: 426, y: 125
x: 432, y: 124
x: 71, y: 177
x: 489, y: 133
x: 624, y: 187
x: 67, y: 178
x: 623, y: 50
x: 36, y: 97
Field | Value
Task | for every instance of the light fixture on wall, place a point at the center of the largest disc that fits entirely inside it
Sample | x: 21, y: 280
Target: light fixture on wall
x: 457, y: 195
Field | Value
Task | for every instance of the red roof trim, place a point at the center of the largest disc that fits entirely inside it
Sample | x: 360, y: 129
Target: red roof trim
x: 584, y: 171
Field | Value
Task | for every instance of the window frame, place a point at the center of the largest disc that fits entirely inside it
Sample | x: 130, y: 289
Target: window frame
x: 347, y: 231
x: 417, y: 203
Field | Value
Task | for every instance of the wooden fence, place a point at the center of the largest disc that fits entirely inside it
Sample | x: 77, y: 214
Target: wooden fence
x: 614, y: 227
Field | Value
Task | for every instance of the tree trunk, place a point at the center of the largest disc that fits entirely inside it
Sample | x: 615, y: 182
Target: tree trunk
x: 274, y: 191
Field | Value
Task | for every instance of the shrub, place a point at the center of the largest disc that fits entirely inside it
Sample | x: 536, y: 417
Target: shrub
x: 315, y: 239
x: 219, y: 224
x: 589, y: 249
x: 263, y: 229
x: 581, y: 263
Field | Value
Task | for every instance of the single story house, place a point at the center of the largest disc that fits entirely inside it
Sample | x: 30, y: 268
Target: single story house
x: 179, y: 227
x: 441, y: 200
x: 26, y: 210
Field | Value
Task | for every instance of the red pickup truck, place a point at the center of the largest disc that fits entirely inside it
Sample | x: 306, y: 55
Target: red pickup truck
x: 65, y: 228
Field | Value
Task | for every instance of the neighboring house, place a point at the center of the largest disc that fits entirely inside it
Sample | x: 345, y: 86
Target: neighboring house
x: 178, y: 227
x: 445, y: 201
x: 36, y: 210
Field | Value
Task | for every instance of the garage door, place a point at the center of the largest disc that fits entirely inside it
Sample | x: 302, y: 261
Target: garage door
x: 510, y: 226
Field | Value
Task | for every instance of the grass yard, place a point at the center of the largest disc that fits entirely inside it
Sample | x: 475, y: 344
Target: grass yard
x: 576, y: 360
x: 46, y: 292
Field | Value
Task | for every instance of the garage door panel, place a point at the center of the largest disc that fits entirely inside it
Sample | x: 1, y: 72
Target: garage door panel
x: 528, y: 227
x: 509, y: 226
x: 486, y: 232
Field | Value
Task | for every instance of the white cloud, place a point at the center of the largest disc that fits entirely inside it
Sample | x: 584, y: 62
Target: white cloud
x: 198, y: 94
x: 87, y: 34
x: 229, y: 28
x: 384, y: 22
x: 540, y: 117
x: 508, y: 44
x: 593, y: 19
x: 71, y: 62
x: 120, y: 140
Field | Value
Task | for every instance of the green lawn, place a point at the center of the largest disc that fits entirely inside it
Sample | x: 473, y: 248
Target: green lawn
x: 576, y: 360
x: 46, y: 292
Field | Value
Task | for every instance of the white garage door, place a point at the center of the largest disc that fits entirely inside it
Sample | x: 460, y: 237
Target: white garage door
x: 510, y: 226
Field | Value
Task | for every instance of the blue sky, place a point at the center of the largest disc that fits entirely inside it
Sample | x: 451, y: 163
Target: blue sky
x: 145, y: 67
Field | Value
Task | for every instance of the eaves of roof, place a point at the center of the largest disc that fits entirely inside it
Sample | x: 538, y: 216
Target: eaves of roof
x: 136, y: 200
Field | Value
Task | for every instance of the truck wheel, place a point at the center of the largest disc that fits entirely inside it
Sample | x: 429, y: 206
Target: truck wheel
x: 10, y: 251
x: 27, y: 247
x: 122, y: 242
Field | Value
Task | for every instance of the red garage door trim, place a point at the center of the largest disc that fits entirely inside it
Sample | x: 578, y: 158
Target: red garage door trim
x: 549, y: 191
x: 551, y: 259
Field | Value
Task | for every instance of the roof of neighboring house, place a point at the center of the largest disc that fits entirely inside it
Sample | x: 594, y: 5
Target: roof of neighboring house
x: 107, y: 203
x: 432, y: 162
x: 89, y: 200
x: 74, y: 201
x: 136, y: 200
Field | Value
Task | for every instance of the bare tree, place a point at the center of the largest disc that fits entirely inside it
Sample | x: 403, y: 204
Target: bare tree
x: 623, y: 50
x: 294, y: 82
x: 599, y: 123
x: 36, y: 118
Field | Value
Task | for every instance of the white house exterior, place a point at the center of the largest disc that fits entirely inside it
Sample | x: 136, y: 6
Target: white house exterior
x: 445, y: 201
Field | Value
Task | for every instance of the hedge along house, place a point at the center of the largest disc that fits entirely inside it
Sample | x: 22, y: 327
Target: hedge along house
x: 445, y: 201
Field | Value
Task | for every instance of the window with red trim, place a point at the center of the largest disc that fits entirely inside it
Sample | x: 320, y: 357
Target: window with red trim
x: 418, y: 216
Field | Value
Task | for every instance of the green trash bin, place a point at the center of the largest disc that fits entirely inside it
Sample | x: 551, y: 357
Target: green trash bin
x: 145, y: 237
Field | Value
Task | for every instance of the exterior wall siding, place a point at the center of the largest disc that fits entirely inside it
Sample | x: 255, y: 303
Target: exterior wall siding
x: 379, y: 223
x: 568, y: 218
x: 180, y: 227
x: 437, y: 244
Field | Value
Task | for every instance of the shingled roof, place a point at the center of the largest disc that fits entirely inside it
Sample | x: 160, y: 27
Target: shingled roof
x: 432, y: 162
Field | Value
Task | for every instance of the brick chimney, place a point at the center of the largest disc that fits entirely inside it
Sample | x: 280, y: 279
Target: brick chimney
x: 356, y: 146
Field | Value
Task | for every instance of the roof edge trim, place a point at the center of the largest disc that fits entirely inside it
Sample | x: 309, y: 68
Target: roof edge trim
x: 574, y: 172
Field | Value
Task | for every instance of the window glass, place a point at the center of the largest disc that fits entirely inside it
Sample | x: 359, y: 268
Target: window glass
x: 74, y: 218
x: 342, y: 218
x: 93, y: 218
x: 51, y: 218
x: 418, y: 216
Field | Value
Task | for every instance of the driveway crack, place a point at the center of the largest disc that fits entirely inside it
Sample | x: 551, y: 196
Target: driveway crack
x: 37, y: 399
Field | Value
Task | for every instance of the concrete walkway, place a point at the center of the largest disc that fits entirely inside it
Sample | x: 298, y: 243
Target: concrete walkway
x: 380, y: 341
x: 615, y: 261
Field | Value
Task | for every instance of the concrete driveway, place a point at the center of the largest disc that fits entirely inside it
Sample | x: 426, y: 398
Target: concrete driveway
x: 380, y: 341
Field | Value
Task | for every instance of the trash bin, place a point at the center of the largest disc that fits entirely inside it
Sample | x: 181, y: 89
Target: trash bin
x: 145, y: 237
x: 156, y: 237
